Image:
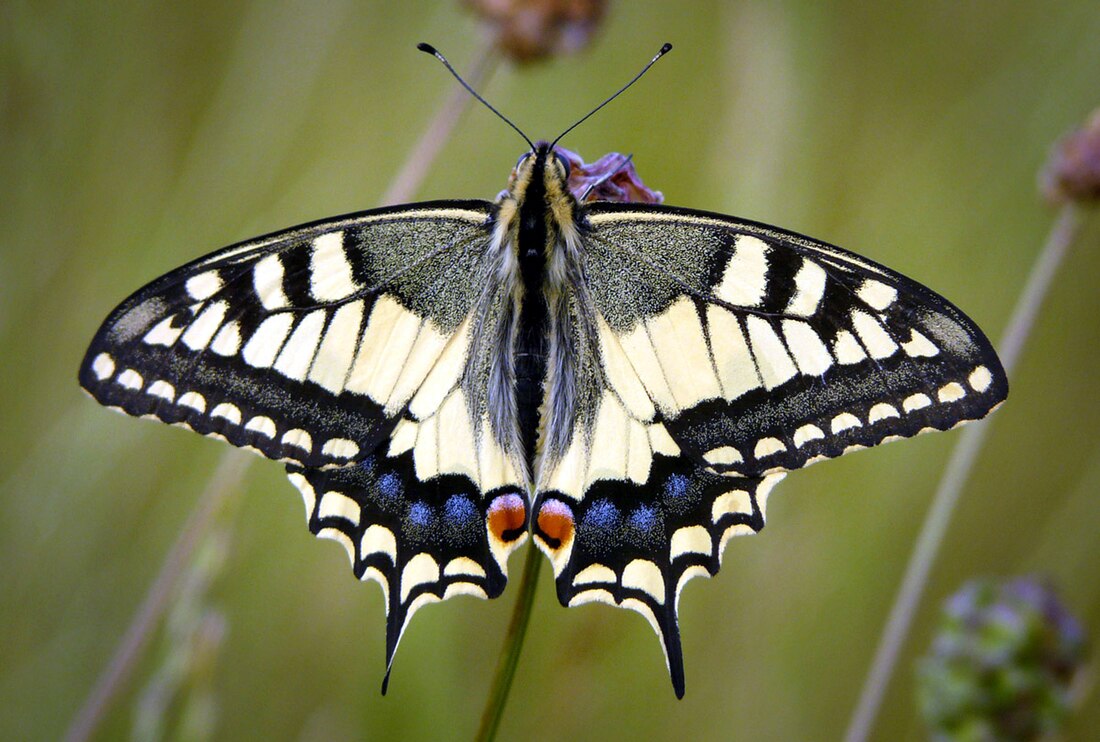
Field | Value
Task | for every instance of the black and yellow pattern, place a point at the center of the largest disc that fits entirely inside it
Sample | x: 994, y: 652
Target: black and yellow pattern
x: 626, y: 382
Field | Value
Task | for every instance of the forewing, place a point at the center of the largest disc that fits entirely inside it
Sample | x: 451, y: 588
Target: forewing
x: 730, y: 353
x: 304, y: 345
x: 339, y: 348
x: 764, y: 351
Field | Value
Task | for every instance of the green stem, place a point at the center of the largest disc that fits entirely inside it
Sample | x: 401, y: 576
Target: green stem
x: 513, y: 645
x: 954, y: 479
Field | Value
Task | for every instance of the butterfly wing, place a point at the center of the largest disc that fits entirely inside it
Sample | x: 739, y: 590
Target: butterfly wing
x: 730, y: 353
x: 338, y: 348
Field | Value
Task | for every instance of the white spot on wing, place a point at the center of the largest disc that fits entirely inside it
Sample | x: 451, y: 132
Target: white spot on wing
x: 951, y: 392
x: 732, y: 502
x: 807, y: 433
x: 161, y: 389
x: 330, y: 276
x: 308, y: 494
x: 296, y: 356
x: 262, y: 348
x: 980, y: 379
x: 199, y: 333
x: 378, y: 540
x: 463, y: 566
x: 193, y: 400
x: 809, y: 288
x: 163, y: 333
x: 204, y: 285
x: 228, y: 340
x: 916, y: 402
x: 689, y: 540
x: 263, y: 425
x: 403, y: 437
x: 745, y: 278
x: 918, y: 345
x: 844, y: 421
x: 736, y: 370
x: 882, y: 411
x: 298, y: 438
x: 595, y: 573
x: 421, y: 569
x: 874, y: 336
x: 337, y: 348
x: 130, y: 379
x: 772, y: 359
x: 768, y: 447
x: 338, y: 505
x: 103, y: 366
x: 340, y: 448
x: 644, y: 575
x: 809, y: 352
x: 876, y: 294
x: 230, y: 412
x: 267, y: 280
x: 723, y: 455
x: 847, y: 349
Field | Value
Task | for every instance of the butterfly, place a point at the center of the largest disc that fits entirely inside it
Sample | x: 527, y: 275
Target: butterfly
x: 623, y: 382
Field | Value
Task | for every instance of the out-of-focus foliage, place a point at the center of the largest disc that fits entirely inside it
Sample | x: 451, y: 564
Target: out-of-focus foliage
x: 136, y: 136
x: 1001, y: 664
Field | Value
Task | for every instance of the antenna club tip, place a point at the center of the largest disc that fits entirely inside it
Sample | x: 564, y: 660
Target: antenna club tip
x: 666, y: 48
x: 427, y: 48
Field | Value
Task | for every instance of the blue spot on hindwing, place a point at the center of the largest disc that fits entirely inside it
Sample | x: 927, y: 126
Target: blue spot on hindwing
x: 644, y: 518
x: 420, y: 514
x: 459, y: 510
x: 389, y: 485
x: 462, y: 521
x: 676, y: 486
x: 602, y: 516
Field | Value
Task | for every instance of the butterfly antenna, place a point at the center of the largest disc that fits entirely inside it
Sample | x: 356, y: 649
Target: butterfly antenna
x: 429, y: 49
x: 664, y: 50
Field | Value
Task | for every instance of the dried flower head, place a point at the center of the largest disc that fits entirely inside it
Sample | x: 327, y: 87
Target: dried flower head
x: 528, y: 30
x: 1001, y: 663
x: 1073, y: 171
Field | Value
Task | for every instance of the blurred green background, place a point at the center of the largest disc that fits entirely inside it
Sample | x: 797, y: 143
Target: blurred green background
x: 135, y: 136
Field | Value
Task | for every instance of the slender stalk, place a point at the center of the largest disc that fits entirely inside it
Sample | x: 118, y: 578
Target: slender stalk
x: 513, y: 645
x: 954, y: 478
x: 226, y: 480
x: 230, y: 472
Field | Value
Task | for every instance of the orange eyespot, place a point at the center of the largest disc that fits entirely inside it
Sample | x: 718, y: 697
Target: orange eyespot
x: 507, y: 517
x: 555, y: 523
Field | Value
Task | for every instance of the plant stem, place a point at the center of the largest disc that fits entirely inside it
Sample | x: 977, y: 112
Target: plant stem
x: 231, y: 470
x: 513, y: 645
x: 954, y: 478
x: 226, y: 480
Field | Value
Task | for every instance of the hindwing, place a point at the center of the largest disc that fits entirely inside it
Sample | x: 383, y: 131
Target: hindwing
x: 729, y: 353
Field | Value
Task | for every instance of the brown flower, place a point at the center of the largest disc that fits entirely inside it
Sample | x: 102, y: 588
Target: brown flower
x: 1073, y: 171
x: 528, y: 30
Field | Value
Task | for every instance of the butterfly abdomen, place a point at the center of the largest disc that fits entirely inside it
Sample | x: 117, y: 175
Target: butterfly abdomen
x: 531, y: 340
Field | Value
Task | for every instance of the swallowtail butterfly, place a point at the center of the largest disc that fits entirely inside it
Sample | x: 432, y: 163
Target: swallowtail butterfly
x: 624, y: 382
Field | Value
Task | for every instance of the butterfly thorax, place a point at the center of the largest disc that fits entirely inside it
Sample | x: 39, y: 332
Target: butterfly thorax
x: 536, y: 218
